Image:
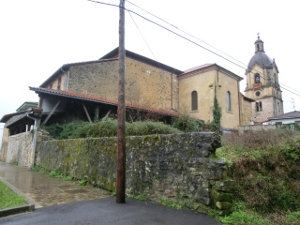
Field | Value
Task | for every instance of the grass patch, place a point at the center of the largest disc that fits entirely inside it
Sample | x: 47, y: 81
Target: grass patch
x: 9, y: 199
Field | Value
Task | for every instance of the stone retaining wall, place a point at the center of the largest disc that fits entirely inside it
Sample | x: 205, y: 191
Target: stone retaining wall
x: 177, y: 167
x: 19, y: 149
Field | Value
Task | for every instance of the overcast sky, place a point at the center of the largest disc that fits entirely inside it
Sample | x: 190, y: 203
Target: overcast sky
x: 39, y: 36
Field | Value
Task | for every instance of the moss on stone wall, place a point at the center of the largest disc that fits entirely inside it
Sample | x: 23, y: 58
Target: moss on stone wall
x: 176, y: 167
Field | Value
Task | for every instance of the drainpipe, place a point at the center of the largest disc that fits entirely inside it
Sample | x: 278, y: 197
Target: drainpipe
x: 36, y: 124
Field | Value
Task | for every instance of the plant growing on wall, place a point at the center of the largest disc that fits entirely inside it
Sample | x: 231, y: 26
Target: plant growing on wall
x: 215, y: 125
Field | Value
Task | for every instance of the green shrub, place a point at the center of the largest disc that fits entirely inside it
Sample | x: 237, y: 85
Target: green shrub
x: 140, y: 128
x: 187, y: 124
x: 107, y: 128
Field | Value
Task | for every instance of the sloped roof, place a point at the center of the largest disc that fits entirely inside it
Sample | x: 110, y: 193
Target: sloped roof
x: 27, y: 105
x: 67, y: 66
x: 6, y: 117
x: 114, y: 54
x: 12, y: 118
x: 208, y: 65
x: 90, y: 98
x: 111, y: 56
x: 198, y: 67
x: 289, y: 115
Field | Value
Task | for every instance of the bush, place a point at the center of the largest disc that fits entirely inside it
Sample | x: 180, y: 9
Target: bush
x: 187, y: 124
x: 107, y: 128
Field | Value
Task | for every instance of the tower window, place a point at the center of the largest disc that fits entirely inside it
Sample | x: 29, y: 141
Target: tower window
x: 257, y: 45
x: 228, y: 101
x: 257, y: 78
x: 258, y: 106
x: 194, y: 97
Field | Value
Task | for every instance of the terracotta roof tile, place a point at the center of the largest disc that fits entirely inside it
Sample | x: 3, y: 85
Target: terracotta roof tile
x: 75, y: 95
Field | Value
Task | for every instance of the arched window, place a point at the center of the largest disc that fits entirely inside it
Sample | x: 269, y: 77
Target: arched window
x: 228, y: 101
x: 194, y: 100
x: 257, y: 78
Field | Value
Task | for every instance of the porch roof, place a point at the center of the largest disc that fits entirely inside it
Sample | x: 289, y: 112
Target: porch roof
x: 90, y: 98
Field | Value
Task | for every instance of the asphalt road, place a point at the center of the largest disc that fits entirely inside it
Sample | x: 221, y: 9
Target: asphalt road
x: 107, y: 212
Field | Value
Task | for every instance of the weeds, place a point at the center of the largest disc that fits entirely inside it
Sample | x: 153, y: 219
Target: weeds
x: 169, y: 203
x: 56, y: 174
x: 82, y: 182
x: 265, y: 166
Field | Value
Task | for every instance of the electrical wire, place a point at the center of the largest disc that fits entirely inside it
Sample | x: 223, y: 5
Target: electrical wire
x: 187, y: 39
x: 264, y: 76
x: 143, y: 38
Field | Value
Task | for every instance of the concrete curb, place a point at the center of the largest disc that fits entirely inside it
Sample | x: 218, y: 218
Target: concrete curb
x: 20, y: 209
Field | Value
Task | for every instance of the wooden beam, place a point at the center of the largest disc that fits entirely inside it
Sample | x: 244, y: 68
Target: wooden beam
x: 86, y: 113
x: 48, y: 117
x: 107, y: 114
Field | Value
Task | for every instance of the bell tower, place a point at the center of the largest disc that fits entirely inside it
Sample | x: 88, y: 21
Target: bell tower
x: 263, y: 85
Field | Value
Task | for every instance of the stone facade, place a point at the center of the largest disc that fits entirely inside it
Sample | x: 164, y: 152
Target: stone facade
x: 152, y: 85
x: 4, y: 144
x: 19, y: 149
x: 177, y: 167
x: 208, y: 82
x: 146, y: 85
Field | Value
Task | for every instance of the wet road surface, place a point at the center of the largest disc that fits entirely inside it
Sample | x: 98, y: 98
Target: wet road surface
x: 45, y: 190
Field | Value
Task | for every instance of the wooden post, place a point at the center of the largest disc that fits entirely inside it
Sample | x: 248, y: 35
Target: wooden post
x: 121, y: 156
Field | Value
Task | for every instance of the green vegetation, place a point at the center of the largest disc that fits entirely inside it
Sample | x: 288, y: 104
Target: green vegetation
x: 108, y: 128
x: 54, y: 173
x: 186, y: 124
x: 171, y: 204
x: 82, y: 182
x: 215, y: 125
x: 9, y: 199
x: 266, y: 168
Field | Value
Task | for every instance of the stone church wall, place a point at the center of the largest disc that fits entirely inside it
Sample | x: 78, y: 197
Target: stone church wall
x: 146, y: 85
x: 179, y: 167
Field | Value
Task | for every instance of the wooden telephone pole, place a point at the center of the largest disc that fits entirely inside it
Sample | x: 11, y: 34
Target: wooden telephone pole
x: 121, y: 156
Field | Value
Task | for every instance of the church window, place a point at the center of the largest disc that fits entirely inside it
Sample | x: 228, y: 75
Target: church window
x: 257, y: 93
x: 257, y: 78
x: 228, y: 101
x: 194, y: 100
x: 258, y: 106
x: 257, y: 45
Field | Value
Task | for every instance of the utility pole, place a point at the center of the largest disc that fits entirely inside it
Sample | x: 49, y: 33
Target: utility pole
x: 121, y: 156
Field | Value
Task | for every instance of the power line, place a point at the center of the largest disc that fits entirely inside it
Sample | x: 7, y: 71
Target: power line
x: 264, y: 76
x: 143, y: 37
x: 187, y: 39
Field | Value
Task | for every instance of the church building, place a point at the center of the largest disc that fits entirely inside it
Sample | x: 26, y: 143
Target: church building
x: 89, y: 91
x: 263, y: 85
